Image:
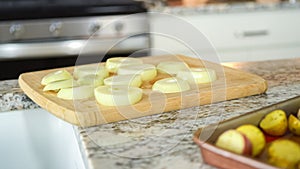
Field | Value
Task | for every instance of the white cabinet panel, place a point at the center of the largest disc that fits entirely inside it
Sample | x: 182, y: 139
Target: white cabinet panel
x: 244, y: 36
x: 249, y: 29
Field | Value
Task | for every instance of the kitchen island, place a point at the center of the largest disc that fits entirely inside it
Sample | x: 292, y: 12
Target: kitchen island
x: 165, y: 140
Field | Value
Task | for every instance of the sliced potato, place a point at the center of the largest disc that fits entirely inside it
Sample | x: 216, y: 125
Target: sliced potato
x: 284, y: 153
x: 255, y: 135
x: 147, y: 71
x: 294, y: 125
x: 171, y: 67
x: 118, y: 95
x: 126, y: 80
x: 113, y: 64
x: 274, y: 123
x: 56, y: 76
x: 234, y: 141
x: 94, y: 80
x: 171, y: 85
x: 57, y: 85
x: 198, y: 75
x: 74, y: 93
x: 99, y: 70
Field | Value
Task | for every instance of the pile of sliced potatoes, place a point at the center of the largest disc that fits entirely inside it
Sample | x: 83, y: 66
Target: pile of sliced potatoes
x: 118, y: 81
x: 250, y: 140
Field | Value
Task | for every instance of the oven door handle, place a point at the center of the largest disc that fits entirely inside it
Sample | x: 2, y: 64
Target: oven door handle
x: 71, y: 47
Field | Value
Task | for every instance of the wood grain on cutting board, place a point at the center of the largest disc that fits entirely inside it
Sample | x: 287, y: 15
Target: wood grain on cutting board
x: 230, y: 84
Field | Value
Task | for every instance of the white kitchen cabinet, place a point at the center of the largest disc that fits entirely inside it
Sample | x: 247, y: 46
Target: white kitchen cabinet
x: 238, y: 36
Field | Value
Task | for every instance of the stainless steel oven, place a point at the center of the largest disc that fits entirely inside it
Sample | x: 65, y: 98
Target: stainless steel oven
x: 42, y: 34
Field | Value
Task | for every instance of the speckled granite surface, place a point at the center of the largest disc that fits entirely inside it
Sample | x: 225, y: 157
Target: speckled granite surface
x: 12, y: 97
x: 165, y: 141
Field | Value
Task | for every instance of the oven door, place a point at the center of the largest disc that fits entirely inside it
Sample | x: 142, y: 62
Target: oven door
x: 17, y: 58
x: 29, y: 45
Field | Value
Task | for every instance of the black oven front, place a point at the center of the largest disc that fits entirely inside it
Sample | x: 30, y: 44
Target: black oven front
x: 43, y: 34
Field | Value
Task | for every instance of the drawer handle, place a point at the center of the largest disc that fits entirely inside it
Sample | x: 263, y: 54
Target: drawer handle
x: 251, y: 33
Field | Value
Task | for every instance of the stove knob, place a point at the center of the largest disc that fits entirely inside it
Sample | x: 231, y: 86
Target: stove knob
x: 119, y: 27
x: 16, y: 30
x: 55, y: 28
x: 94, y: 27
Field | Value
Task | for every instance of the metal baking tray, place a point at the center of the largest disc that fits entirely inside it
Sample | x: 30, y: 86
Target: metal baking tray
x: 206, y: 137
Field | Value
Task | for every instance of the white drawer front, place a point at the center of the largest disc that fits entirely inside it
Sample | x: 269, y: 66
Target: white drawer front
x: 252, y: 35
x: 236, y: 30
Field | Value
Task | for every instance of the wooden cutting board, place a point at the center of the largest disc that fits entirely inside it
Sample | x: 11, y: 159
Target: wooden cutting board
x: 230, y: 84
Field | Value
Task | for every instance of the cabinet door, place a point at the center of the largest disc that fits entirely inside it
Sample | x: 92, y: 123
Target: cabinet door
x: 235, y: 30
x: 252, y: 35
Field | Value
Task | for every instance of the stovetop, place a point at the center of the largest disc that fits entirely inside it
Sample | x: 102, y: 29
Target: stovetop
x: 38, y: 9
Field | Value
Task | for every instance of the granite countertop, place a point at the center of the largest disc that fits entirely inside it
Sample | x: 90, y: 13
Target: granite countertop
x: 165, y: 140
